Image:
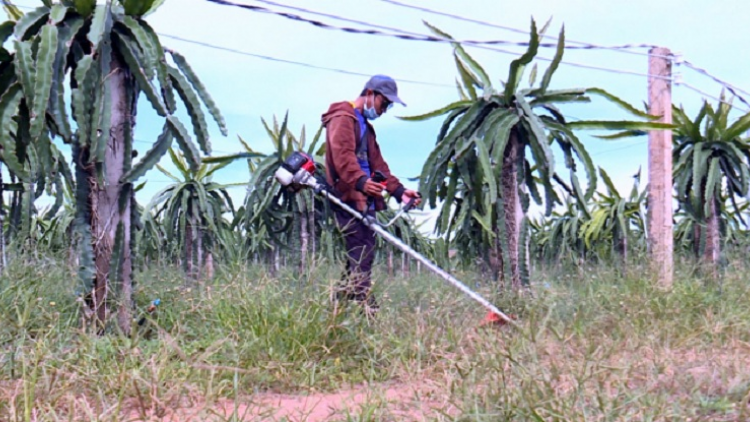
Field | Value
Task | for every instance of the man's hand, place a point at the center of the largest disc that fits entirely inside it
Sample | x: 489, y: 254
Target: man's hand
x: 408, y: 195
x: 373, y: 188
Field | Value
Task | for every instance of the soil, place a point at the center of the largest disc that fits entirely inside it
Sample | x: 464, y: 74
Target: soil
x: 382, y: 402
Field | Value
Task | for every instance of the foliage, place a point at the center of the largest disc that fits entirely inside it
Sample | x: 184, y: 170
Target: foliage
x: 616, y: 220
x: 191, y: 211
x: 733, y: 227
x: 712, y: 165
x: 108, y: 55
x: 493, y: 152
x: 710, y: 154
x: 270, y: 211
x: 559, y: 236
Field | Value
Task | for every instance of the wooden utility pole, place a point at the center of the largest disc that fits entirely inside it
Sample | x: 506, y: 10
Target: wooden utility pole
x: 660, y: 166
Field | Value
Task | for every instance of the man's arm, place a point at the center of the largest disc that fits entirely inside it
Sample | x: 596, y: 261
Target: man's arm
x: 392, y: 184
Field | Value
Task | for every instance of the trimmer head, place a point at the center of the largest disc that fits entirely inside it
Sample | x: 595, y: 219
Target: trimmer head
x: 494, y: 320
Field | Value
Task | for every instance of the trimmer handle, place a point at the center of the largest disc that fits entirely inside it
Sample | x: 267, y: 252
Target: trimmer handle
x: 379, y: 177
x: 410, y: 204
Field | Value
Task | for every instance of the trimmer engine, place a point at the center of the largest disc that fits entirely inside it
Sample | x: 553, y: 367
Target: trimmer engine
x: 297, y: 171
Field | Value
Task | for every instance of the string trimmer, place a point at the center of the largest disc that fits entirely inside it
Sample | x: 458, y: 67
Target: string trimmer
x: 298, y: 171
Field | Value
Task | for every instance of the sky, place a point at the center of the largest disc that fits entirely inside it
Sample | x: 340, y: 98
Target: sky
x: 712, y: 35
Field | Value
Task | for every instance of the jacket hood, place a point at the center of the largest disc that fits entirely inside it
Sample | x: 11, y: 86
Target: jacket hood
x: 343, y: 108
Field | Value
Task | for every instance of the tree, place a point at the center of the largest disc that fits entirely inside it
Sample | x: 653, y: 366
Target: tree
x: 559, y: 235
x: 110, y: 55
x: 57, y: 223
x: 733, y: 228
x: 274, y: 217
x: 34, y: 163
x: 191, y: 211
x: 480, y: 168
x: 615, y: 219
x: 711, y: 156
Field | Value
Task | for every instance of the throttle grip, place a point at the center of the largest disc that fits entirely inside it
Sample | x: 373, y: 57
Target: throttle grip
x: 410, y: 204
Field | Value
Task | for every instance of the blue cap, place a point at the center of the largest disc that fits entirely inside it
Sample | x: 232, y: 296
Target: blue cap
x: 386, y: 86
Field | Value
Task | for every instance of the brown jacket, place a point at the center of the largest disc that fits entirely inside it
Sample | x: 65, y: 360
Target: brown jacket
x: 342, y: 168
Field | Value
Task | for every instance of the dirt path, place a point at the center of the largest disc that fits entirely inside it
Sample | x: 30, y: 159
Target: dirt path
x: 382, y: 402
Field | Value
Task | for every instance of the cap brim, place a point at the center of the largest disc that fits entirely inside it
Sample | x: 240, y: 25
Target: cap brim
x: 395, y: 99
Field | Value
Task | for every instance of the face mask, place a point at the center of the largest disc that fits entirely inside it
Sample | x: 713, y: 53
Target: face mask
x: 369, y: 112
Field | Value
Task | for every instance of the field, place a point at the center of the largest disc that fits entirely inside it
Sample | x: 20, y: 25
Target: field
x: 594, y: 345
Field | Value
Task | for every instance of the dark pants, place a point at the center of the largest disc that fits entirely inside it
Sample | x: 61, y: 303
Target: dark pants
x: 360, y: 248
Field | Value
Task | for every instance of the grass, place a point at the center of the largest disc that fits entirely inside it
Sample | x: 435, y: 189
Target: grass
x: 594, y: 345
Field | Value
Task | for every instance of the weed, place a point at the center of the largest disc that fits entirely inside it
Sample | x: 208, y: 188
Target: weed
x: 603, y: 346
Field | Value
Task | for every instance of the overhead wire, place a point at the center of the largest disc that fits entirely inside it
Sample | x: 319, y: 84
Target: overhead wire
x: 416, y: 34
x: 621, y: 48
x: 483, y: 44
x: 707, y: 95
x: 402, y: 35
x: 632, y: 145
x: 377, y: 29
x: 297, y: 63
x: 731, y: 88
x: 141, y: 141
x: 406, y: 35
x: 286, y: 61
x: 705, y: 72
x: 421, y: 37
x: 625, y: 48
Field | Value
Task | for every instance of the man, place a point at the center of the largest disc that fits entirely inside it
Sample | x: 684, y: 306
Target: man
x: 352, y: 158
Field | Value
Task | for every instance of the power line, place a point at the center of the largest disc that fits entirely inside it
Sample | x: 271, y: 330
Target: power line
x: 307, y: 65
x: 639, y: 143
x: 424, y: 36
x: 173, y: 181
x: 706, y: 73
x: 414, y: 36
x: 405, y: 35
x: 420, y: 37
x: 731, y: 88
x: 401, y: 35
x: 140, y: 141
x: 297, y: 63
x: 707, y: 95
x: 231, y: 50
x: 395, y: 32
x: 581, y: 45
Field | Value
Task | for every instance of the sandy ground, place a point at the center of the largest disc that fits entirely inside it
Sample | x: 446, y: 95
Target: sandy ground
x: 386, y: 402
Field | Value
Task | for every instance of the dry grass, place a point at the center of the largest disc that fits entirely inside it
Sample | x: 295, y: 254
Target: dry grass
x: 250, y: 347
